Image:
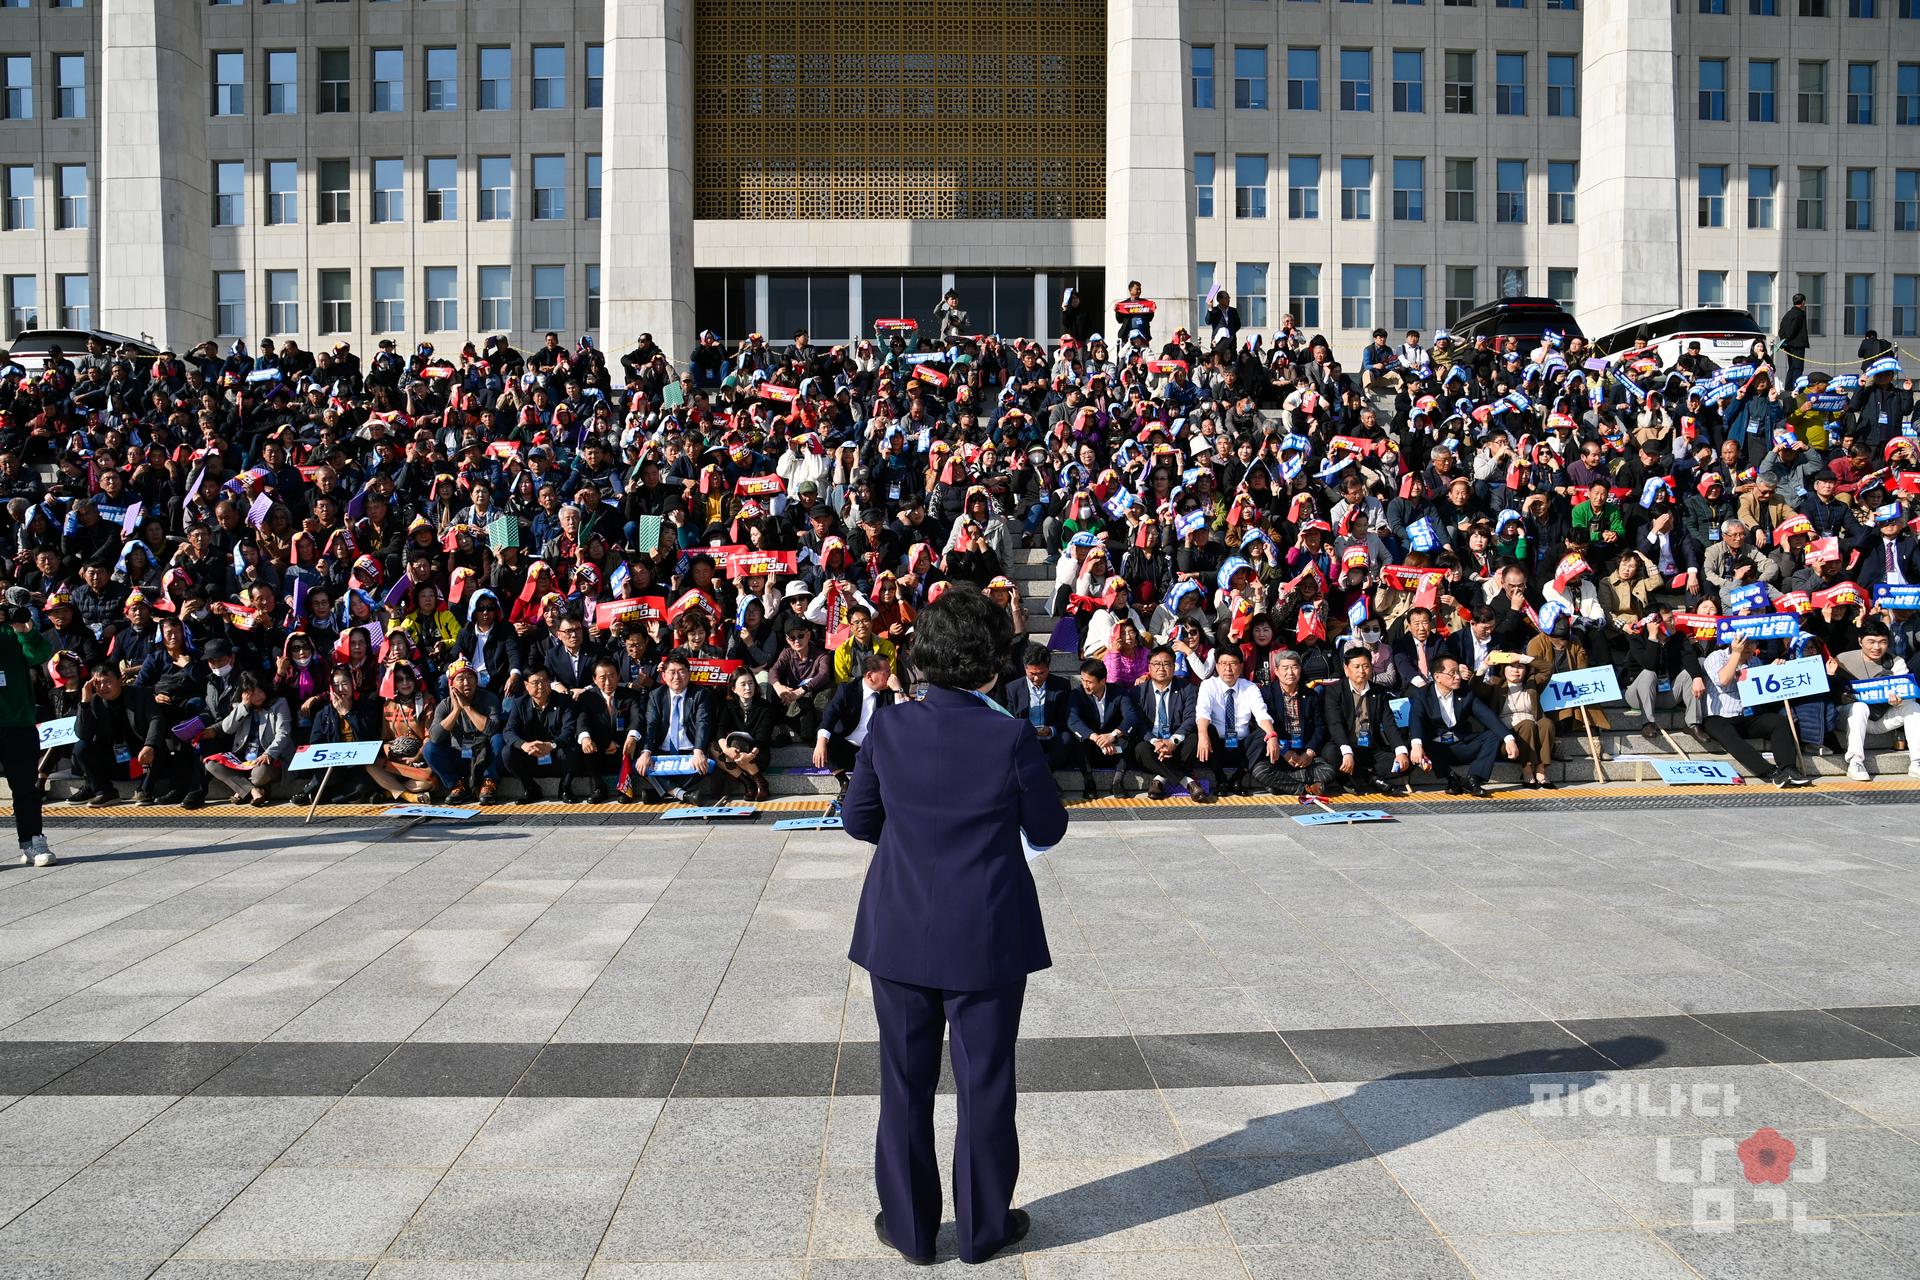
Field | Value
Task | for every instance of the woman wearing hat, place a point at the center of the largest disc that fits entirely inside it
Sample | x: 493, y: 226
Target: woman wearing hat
x: 1513, y: 696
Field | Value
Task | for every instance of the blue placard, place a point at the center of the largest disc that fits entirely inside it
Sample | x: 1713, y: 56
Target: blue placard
x: 1760, y: 626
x: 59, y: 733
x: 1402, y: 709
x: 1691, y: 773
x: 706, y: 812
x: 428, y: 811
x: 1423, y: 535
x: 1341, y: 818
x: 1580, y: 688
x: 670, y: 765
x: 1801, y: 678
x: 1879, y: 692
x: 809, y: 824
x: 1889, y: 596
x: 1827, y: 402
x: 333, y: 755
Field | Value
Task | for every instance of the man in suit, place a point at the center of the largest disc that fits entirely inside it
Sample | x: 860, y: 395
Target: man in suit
x: 1416, y: 650
x: 849, y: 717
x: 1889, y: 554
x: 1228, y: 707
x: 569, y: 657
x: 536, y: 740
x: 1104, y: 723
x: 1302, y: 732
x: 1360, y: 726
x: 606, y: 722
x: 1453, y: 730
x: 1041, y: 700
x: 1472, y: 643
x: 1672, y: 551
x: 678, y: 716
x: 949, y: 925
x: 1793, y: 338
x: 1167, y: 729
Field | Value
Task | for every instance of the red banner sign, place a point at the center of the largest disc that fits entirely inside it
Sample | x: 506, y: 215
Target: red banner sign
x: 759, y: 486
x: 713, y: 671
x: 635, y: 608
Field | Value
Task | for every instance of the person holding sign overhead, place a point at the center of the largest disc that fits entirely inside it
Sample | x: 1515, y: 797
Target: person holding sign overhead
x: 22, y: 648
x: 1880, y: 699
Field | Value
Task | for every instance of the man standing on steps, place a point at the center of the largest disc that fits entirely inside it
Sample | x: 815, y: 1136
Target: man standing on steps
x: 1793, y: 338
x: 22, y: 648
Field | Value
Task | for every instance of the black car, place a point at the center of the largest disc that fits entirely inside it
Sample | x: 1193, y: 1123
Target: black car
x: 1523, y: 318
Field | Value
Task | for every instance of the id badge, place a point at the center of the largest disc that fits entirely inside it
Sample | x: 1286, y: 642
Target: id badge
x: 121, y: 755
x: 486, y: 677
x: 545, y: 760
x: 466, y: 753
x: 1448, y: 738
x: 1296, y: 743
x: 1232, y: 743
x: 893, y: 490
x: 1365, y: 738
x: 1666, y: 686
x: 3, y: 679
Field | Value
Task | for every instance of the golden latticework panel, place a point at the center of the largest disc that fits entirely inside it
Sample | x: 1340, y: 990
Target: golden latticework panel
x: 900, y: 109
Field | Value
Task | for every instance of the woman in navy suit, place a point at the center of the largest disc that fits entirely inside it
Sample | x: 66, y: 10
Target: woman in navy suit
x: 949, y: 923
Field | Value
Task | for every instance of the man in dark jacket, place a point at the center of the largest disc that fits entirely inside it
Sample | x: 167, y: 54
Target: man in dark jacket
x: 1793, y: 337
x: 537, y: 737
x: 678, y: 723
x: 1454, y: 730
x: 849, y: 714
x: 1303, y: 734
x: 1104, y: 723
x: 606, y: 723
x: 112, y: 726
x: 1167, y: 726
x: 1041, y: 700
x: 1360, y: 726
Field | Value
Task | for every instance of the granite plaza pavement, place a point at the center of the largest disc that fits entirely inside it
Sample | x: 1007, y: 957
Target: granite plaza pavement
x: 1648, y: 1043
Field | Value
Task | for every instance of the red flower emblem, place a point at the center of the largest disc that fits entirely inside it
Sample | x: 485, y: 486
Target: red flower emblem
x: 1767, y: 1157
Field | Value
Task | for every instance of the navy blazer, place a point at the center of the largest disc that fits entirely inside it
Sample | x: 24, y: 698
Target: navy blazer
x: 525, y: 722
x: 1406, y: 659
x: 694, y: 718
x: 1872, y: 569
x: 1084, y: 719
x: 949, y: 901
x: 1313, y: 725
x: 1059, y: 694
x: 1182, y: 701
x: 1340, y: 713
x: 573, y: 671
x: 842, y: 715
x: 1425, y: 723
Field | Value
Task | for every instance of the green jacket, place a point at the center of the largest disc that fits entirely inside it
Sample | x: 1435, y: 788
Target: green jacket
x: 20, y: 652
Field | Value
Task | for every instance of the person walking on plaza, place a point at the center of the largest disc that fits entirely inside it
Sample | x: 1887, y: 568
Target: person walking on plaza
x: 949, y: 924
x: 23, y: 648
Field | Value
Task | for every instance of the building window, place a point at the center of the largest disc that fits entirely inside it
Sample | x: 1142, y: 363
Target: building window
x: 1356, y: 188
x: 1510, y: 191
x: 336, y: 195
x: 1563, y: 180
x: 1201, y: 77
x: 496, y: 188
x: 1356, y: 295
x: 1460, y: 190
x: 594, y: 90
x: 336, y: 82
x: 1409, y: 81
x: 1812, y: 98
x: 388, y: 179
x: 592, y: 209
x: 70, y: 93
x: 1462, y: 288
x: 496, y: 78
x: 442, y: 184
x: 1249, y: 186
x: 388, y: 288
x: 1854, y: 312
x: 389, y: 80
x: 230, y: 193
x: 1303, y: 293
x: 1510, y: 84
x: 23, y: 305
x: 1762, y: 180
x: 1906, y: 306
x: 1459, y: 86
x: 1563, y: 85
x: 19, y: 197
x: 1863, y: 8
x: 1859, y: 211
x: 70, y: 189
x: 19, y: 76
x: 550, y: 298
x: 1813, y: 8
x: 283, y: 193
x: 336, y: 301
x: 1764, y: 8
x: 230, y: 303
x: 496, y: 299
x: 1760, y: 298
x: 1409, y: 189
x: 1710, y: 289
x: 1713, y: 6
x: 1250, y: 288
x: 1250, y: 77
x: 443, y: 299
x: 1906, y: 102
x: 549, y: 188
x: 1562, y: 285
x: 1409, y: 298
x: 283, y: 301
x: 1813, y: 285
x: 593, y: 296
x: 1303, y: 79
x: 1713, y: 88
x: 1860, y: 93
x: 1203, y: 185
x: 1356, y: 79
x: 1906, y: 199
x: 1713, y: 195
x: 1761, y: 73
x: 442, y: 80
x: 1512, y: 281
x: 1303, y: 188
x: 283, y: 82
x: 1810, y: 210
x: 229, y: 84
x: 549, y: 77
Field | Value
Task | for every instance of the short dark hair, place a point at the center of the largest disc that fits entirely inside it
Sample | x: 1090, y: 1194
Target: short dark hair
x: 1160, y: 650
x: 1874, y: 627
x: 961, y: 638
x: 1094, y: 667
x: 1036, y: 655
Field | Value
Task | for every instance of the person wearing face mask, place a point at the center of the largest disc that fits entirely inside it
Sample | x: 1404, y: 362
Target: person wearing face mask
x: 222, y: 679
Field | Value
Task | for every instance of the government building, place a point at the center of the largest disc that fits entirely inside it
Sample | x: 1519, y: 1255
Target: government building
x: 429, y: 170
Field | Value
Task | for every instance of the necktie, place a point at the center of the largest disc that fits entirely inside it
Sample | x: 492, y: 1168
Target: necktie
x: 1232, y: 690
x: 1161, y: 724
x: 1893, y: 565
x: 1420, y: 647
x: 674, y: 733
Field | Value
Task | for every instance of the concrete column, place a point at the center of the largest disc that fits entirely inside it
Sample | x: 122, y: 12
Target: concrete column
x: 646, y: 237
x: 1149, y: 169
x: 154, y: 203
x: 1629, y: 209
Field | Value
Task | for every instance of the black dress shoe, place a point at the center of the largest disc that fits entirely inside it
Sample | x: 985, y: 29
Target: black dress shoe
x: 1156, y: 788
x: 1020, y: 1223
x: 1474, y: 787
x: 1454, y: 785
x: 1195, y: 792
x: 1088, y: 790
x: 880, y: 1230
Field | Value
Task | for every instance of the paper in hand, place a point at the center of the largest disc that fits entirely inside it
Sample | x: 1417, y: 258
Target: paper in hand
x: 1031, y: 849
